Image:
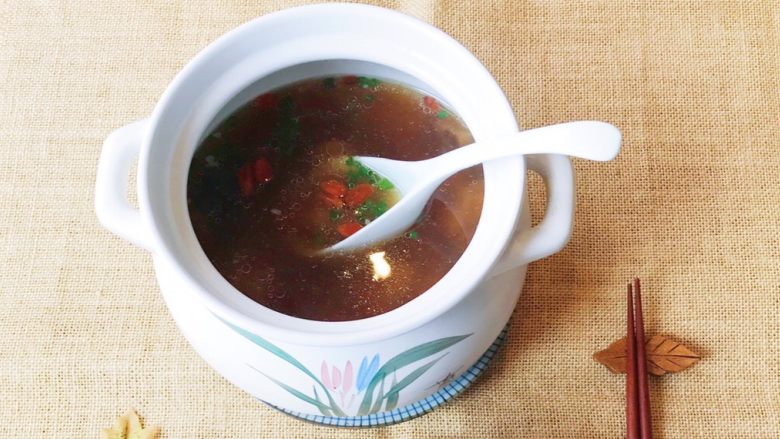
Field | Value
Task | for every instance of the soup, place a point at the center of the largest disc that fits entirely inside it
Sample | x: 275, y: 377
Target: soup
x: 276, y: 181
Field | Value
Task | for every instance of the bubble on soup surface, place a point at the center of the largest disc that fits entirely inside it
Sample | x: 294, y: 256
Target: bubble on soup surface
x: 266, y: 274
x: 334, y: 148
x: 352, y: 104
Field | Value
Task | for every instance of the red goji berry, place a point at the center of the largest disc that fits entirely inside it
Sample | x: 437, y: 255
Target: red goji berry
x: 246, y: 180
x: 331, y: 201
x: 349, y: 80
x: 348, y: 229
x: 358, y: 194
x: 431, y: 103
x: 333, y: 188
x: 263, y: 171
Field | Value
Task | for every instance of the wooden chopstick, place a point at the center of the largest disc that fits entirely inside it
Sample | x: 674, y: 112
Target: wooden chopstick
x: 641, y: 366
x: 632, y: 393
x: 638, y: 424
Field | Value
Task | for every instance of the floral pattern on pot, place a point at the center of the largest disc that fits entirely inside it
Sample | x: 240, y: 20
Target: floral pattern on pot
x: 377, y: 388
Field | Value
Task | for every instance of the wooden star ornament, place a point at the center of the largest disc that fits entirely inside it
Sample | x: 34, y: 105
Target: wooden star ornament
x: 129, y: 427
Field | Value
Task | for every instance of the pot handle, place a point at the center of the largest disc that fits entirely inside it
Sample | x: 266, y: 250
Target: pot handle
x: 554, y: 231
x: 111, y: 205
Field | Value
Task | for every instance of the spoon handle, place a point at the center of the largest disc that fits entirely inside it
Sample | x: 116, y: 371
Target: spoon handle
x: 591, y: 140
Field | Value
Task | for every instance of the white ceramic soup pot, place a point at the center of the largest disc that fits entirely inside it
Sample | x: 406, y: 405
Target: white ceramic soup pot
x: 337, y: 369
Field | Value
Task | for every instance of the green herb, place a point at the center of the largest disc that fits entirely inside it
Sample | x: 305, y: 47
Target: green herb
x: 367, y: 82
x: 370, y: 210
x: 334, y: 214
x: 329, y: 82
x: 358, y: 173
x: 384, y: 184
x: 413, y: 235
x: 353, y: 178
x: 442, y: 114
x: 380, y: 208
x: 368, y: 98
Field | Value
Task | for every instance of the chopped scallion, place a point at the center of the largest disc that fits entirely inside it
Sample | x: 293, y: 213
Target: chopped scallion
x: 384, y: 184
x: 367, y: 82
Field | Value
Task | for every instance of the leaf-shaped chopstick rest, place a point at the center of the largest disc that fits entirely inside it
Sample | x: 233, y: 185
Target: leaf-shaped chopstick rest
x: 663, y: 355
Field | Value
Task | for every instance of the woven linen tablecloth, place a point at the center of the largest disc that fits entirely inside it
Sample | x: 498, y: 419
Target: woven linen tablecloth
x: 690, y: 206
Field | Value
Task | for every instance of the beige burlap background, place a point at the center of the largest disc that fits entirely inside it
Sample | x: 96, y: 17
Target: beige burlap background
x: 691, y: 206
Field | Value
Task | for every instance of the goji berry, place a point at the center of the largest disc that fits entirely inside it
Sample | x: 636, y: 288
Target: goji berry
x: 431, y: 103
x: 246, y: 180
x: 348, y: 229
x: 358, y: 194
x: 263, y: 171
x: 333, y: 188
x: 332, y: 201
x: 349, y: 80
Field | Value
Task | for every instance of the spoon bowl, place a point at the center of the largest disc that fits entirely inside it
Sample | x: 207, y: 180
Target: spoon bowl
x: 417, y: 180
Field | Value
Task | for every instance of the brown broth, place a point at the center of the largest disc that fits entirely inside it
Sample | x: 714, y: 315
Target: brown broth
x: 262, y: 237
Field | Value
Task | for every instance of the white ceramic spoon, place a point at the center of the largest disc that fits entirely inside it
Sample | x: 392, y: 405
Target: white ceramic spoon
x: 416, y: 181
